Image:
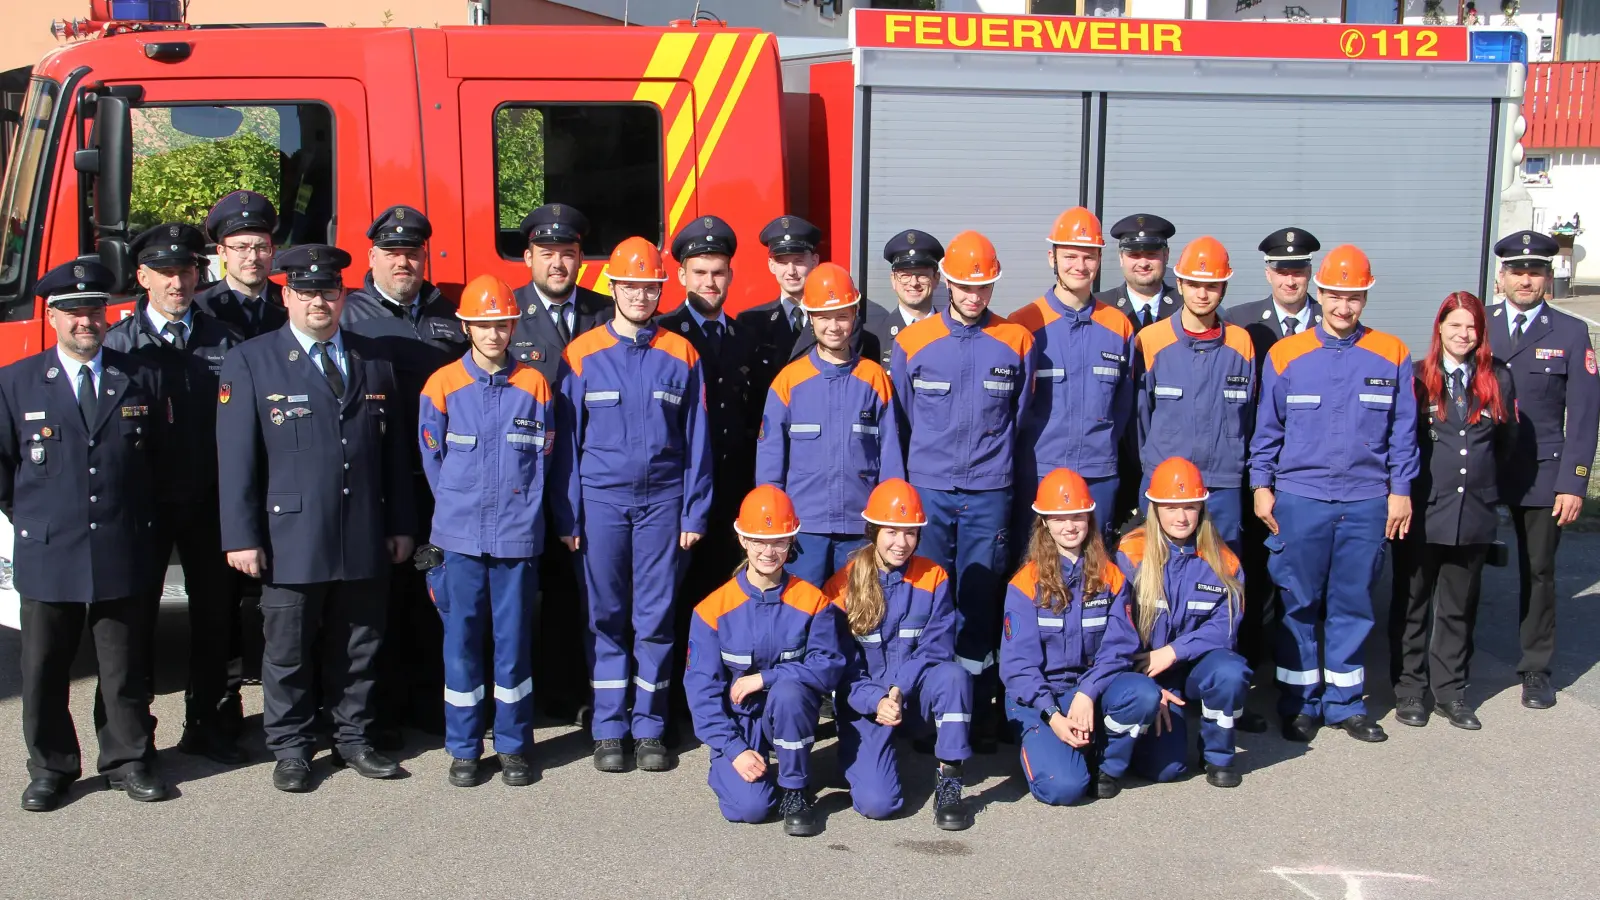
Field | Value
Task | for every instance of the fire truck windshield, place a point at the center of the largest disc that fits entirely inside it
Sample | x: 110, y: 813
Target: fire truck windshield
x: 21, y: 180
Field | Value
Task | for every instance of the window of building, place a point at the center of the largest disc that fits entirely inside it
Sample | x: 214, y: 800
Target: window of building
x: 929, y: 5
x: 1056, y: 7
x: 602, y: 159
x: 1536, y: 169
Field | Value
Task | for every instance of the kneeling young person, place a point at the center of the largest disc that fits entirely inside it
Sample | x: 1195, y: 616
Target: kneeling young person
x: 764, y: 649
x: 1187, y: 591
x: 487, y: 431
x: 899, y: 609
x: 1069, y: 638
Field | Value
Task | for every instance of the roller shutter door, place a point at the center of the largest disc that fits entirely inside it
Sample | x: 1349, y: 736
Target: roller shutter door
x: 1403, y: 179
x: 1005, y: 164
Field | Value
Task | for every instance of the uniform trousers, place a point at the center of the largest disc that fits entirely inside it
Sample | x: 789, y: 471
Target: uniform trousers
x: 1537, y: 540
x: 50, y: 636
x: 632, y: 562
x: 332, y: 631
x: 211, y: 699
x: 1332, y: 553
x: 941, y: 694
x: 487, y: 600
x: 1218, y: 681
x: 818, y: 556
x: 410, y: 667
x: 1431, y: 618
x: 966, y: 535
x: 560, y: 659
x: 1059, y: 774
x: 1258, y: 620
x: 780, y: 720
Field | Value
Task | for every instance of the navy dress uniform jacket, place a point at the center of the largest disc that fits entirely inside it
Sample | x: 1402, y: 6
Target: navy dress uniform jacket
x: 1169, y: 302
x: 318, y: 484
x: 189, y: 380
x: 1553, y: 367
x: 1260, y: 320
x: 733, y: 408
x: 251, y: 318
x: 81, y: 498
x: 536, y: 341
x: 1456, y: 487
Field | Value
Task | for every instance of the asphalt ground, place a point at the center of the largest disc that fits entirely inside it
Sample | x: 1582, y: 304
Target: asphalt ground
x: 1509, y: 812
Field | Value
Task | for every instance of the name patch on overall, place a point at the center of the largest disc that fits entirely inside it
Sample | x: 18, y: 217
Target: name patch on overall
x: 1238, y: 379
x: 1211, y: 588
x: 1003, y: 372
x: 533, y: 424
x: 1114, y: 357
x: 1098, y: 601
x: 1380, y: 382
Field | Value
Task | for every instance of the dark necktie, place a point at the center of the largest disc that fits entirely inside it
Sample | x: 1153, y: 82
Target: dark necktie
x: 88, y: 403
x: 559, y: 313
x: 1145, y: 319
x: 1290, y: 326
x: 797, y: 320
x: 1458, y: 387
x: 177, y: 335
x: 330, y: 370
x: 1518, y: 326
x: 713, y: 331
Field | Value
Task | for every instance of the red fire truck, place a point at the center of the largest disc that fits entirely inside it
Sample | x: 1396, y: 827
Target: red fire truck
x: 1396, y: 138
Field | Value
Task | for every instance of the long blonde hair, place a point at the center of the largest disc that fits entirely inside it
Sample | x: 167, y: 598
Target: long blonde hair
x: 1051, y: 590
x: 1149, y: 582
x: 864, y: 603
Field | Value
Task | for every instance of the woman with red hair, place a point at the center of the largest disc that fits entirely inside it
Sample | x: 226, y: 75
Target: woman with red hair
x: 1466, y: 435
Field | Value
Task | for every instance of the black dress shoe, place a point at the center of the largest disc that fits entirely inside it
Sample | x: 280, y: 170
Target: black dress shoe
x: 292, y: 776
x: 1222, y: 776
x: 368, y: 763
x: 44, y: 794
x: 1363, y: 729
x: 1460, y: 715
x: 650, y: 755
x: 1410, y: 711
x: 1537, y: 691
x: 799, y: 818
x: 608, y: 756
x: 212, y: 743
x: 140, y: 784
x: 950, y: 812
x: 1251, y: 722
x: 1301, y: 728
x: 1105, y: 786
x: 516, y: 771
x: 465, y: 773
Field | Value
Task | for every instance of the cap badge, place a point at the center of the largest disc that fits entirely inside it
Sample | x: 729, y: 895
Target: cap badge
x: 312, y: 253
x: 400, y: 214
x: 245, y: 214
x: 911, y: 238
x: 173, y: 231
x: 706, y: 222
x: 78, y: 272
x: 556, y: 210
x: 1289, y: 237
x: 1141, y: 234
x: 1527, y: 239
x: 1141, y: 224
x: 294, y: 355
x: 785, y: 222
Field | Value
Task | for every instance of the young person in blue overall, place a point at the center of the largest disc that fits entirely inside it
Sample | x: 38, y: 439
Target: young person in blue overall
x: 900, y: 610
x: 1188, y: 594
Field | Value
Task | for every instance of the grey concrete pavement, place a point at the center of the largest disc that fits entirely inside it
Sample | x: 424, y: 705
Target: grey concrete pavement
x: 1508, y: 812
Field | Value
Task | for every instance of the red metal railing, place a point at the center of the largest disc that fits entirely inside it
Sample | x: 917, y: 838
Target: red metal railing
x: 1562, y: 105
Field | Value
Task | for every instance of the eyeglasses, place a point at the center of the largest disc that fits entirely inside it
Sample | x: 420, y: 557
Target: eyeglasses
x: 636, y: 289
x: 329, y: 295
x: 780, y: 545
x: 911, y: 277
x: 252, y: 249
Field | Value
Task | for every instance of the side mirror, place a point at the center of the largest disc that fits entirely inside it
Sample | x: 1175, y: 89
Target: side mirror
x: 107, y: 165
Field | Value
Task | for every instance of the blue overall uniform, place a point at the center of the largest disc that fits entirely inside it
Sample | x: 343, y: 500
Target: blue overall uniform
x: 1048, y: 657
x: 486, y: 446
x: 642, y: 475
x: 960, y: 391
x: 1083, y: 401
x: 1335, y: 436
x: 1201, y: 632
x: 1196, y: 400
x: 913, y: 647
x: 827, y: 436
x: 794, y: 638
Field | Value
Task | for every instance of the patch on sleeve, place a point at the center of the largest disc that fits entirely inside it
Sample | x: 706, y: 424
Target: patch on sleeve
x: 1008, y: 626
x: 1588, y: 361
x: 1583, y: 472
x: 550, y: 442
x: 688, y: 656
x: 225, y: 393
x: 428, y: 440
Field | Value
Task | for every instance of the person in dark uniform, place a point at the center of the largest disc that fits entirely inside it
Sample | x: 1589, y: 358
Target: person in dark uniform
x: 188, y: 346
x: 555, y: 309
x: 416, y: 330
x: 80, y: 434
x: 914, y: 277
x: 1145, y: 298
x: 1467, y: 434
x: 241, y: 225
x: 778, y: 326
x: 314, y: 465
x: 704, y: 250
x: 1288, y: 310
x: 1558, y: 406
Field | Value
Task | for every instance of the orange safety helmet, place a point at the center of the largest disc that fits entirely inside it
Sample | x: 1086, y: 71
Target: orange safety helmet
x: 1205, y: 259
x: 1345, y: 268
x: 897, y: 504
x: 1063, y: 492
x: 1077, y: 227
x: 1176, y: 480
x: 971, y: 260
x: 767, y: 512
x: 636, y: 259
x: 487, y: 299
x: 828, y: 286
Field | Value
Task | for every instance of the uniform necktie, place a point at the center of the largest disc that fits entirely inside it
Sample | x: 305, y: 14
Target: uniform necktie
x: 88, y: 403
x: 1458, y: 387
x: 713, y: 332
x: 330, y: 369
x: 797, y: 320
x: 1290, y: 326
x: 176, y: 334
x: 1145, y: 321
x: 559, y: 313
x: 1518, y: 326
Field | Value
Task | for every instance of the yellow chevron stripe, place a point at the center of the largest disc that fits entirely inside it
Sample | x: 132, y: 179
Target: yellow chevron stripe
x: 666, y: 64
x: 682, y: 202
x: 723, y: 114
x: 678, y: 137
x: 716, y: 59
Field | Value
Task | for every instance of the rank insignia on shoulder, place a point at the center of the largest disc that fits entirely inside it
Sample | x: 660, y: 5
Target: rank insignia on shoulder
x: 53, y: 372
x: 225, y: 393
x: 294, y: 355
x: 277, y: 416
x: 377, y: 396
x: 274, y: 397
x: 129, y: 412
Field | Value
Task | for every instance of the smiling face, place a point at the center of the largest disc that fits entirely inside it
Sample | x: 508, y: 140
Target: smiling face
x: 833, y: 328
x: 1144, y: 269
x: 553, y: 268
x: 81, y: 330
x: 1075, y: 267
x: 914, y: 286
x: 1341, y: 310
x: 170, y: 288
x: 1458, y: 334
x: 705, y: 279
x: 491, y: 338
x: 766, y: 556
x: 1288, y: 284
x: 896, y: 545
x: 790, y: 270
x: 1524, y: 284
x: 1178, y: 520
x: 1201, y: 298
x: 968, y: 301
x: 1068, y: 531
x: 247, y: 257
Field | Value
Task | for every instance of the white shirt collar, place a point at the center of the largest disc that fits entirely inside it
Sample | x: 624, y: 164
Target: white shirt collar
x: 549, y: 304
x: 385, y: 295
x: 71, y: 366
x: 1139, y: 302
x: 1451, y: 367
x: 160, y: 321
x: 702, y: 320
x: 1529, y: 317
x: 1303, y: 316
x: 907, y: 317
x: 307, y: 342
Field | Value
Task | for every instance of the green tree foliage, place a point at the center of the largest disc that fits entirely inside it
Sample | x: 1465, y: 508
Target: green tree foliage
x: 177, y: 176
x: 519, y: 163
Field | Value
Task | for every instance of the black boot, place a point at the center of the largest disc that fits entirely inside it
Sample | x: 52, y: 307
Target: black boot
x: 1105, y: 786
x: 949, y: 810
x: 799, y: 819
x: 1222, y: 776
x: 465, y: 773
x: 516, y: 771
x: 650, y: 754
x: 1251, y: 722
x: 608, y: 756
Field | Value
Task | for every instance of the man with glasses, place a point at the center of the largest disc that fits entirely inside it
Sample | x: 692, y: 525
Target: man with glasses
x: 315, y: 474
x: 189, y: 347
x: 242, y: 224
x: 914, y: 277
